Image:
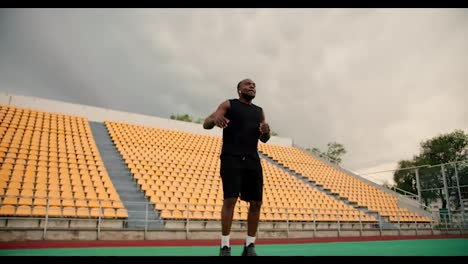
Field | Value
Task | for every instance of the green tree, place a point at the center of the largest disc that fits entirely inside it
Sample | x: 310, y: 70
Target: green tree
x: 444, y: 148
x: 184, y: 117
x: 405, y: 179
x: 334, y: 152
x: 316, y: 151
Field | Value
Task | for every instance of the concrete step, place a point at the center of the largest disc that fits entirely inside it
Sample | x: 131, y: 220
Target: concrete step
x: 129, y: 192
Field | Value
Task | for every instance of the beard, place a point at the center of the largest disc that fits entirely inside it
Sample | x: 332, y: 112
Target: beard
x: 247, y: 97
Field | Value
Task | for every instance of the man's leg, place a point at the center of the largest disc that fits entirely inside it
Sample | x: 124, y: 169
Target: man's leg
x: 230, y: 177
x: 227, y: 213
x: 252, y: 225
x: 231, y: 187
x: 253, y: 217
x: 252, y: 191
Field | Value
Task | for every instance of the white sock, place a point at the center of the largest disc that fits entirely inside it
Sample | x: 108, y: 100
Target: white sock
x: 225, y: 241
x: 249, y: 240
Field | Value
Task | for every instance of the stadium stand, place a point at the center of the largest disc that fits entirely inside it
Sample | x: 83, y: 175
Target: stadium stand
x: 345, y: 185
x: 49, y: 164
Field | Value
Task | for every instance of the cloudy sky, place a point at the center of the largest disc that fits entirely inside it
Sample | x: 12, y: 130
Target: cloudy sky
x: 379, y: 81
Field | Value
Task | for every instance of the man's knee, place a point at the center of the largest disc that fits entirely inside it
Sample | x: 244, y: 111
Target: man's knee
x: 230, y: 203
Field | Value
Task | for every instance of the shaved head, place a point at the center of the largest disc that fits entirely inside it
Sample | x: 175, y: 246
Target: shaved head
x: 239, y: 83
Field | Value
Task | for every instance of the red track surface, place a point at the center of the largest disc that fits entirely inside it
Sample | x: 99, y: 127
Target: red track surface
x: 155, y: 243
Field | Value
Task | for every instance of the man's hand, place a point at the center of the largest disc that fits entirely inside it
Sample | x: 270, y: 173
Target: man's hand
x: 264, y: 132
x: 217, y: 118
x: 264, y: 128
x: 220, y: 121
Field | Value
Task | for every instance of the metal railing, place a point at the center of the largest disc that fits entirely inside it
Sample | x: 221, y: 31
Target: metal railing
x: 190, y: 217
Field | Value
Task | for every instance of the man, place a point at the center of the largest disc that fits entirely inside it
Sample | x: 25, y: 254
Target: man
x: 243, y: 124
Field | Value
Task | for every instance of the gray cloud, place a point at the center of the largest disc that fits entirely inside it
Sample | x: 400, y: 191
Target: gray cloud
x: 377, y: 80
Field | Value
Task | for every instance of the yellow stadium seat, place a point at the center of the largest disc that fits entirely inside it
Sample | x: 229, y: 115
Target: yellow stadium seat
x: 121, y: 213
x: 82, y: 212
x: 23, y: 210
x: 39, y: 211
x: 10, y: 201
x: 54, y: 211
x: 25, y: 201
x: 7, y: 210
x: 109, y: 213
x: 95, y: 212
x: 69, y: 212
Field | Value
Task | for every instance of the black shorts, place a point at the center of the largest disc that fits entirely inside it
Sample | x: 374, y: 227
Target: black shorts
x: 242, y: 175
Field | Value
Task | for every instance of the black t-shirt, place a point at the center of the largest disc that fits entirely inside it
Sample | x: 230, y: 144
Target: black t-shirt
x: 241, y: 135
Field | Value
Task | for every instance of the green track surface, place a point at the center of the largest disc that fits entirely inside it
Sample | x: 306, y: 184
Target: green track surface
x: 423, y: 247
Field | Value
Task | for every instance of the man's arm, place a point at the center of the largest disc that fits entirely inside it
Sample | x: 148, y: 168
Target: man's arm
x: 264, y: 129
x: 217, y: 118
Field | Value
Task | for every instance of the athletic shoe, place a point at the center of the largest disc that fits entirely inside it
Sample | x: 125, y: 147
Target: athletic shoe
x: 249, y: 251
x: 225, y: 251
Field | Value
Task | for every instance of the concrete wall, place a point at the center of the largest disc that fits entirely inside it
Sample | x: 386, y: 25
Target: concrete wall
x: 5, y: 98
x: 22, y: 234
x: 101, y: 114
